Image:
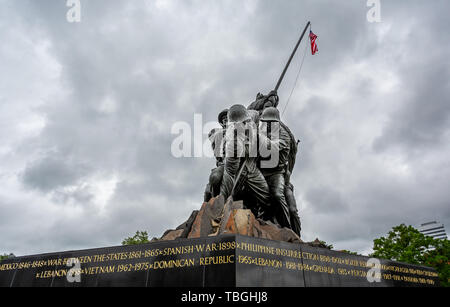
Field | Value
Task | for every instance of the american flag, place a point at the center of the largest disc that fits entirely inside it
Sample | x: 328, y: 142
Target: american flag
x: 313, y: 38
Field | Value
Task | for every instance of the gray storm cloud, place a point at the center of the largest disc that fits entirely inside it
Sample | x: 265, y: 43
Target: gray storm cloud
x: 86, y: 111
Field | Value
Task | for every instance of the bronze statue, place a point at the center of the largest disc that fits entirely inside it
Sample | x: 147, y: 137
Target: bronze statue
x: 242, y: 178
x: 240, y: 172
x: 244, y: 173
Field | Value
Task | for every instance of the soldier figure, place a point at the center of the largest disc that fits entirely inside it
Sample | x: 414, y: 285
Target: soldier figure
x: 272, y: 100
x: 276, y: 140
x: 217, y: 136
x: 242, y: 179
x: 262, y: 102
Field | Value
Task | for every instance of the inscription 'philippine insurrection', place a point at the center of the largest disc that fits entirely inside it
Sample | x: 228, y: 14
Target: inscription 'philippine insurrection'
x: 260, y: 255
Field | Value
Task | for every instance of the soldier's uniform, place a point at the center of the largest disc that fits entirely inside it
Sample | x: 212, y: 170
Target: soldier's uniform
x: 271, y: 100
x: 217, y: 138
x: 242, y: 179
x: 274, y: 139
x: 289, y: 187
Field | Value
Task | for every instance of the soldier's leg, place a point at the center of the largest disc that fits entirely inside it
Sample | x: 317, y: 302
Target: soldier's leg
x: 290, y: 199
x: 207, y: 196
x: 227, y: 185
x: 276, y: 188
x: 215, y: 180
x: 259, y: 190
x: 231, y: 168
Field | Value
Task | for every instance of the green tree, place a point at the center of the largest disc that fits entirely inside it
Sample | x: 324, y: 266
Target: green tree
x: 329, y: 246
x: 140, y: 237
x: 439, y: 258
x: 406, y: 244
x: 5, y: 256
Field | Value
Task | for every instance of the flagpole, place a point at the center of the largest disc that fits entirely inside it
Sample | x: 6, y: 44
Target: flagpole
x: 291, y: 57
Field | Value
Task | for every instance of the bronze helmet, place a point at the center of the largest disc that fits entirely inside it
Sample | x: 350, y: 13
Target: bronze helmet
x: 270, y: 114
x: 238, y: 113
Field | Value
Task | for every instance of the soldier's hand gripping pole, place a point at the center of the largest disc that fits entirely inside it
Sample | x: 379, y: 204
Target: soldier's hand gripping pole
x: 292, y: 56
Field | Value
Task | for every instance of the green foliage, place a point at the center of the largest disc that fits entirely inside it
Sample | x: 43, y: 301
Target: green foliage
x: 403, y: 243
x: 329, y: 246
x: 439, y: 258
x: 406, y: 244
x: 5, y: 256
x: 140, y: 237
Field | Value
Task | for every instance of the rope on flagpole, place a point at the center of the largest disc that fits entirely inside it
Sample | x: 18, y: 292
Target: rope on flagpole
x: 296, y: 79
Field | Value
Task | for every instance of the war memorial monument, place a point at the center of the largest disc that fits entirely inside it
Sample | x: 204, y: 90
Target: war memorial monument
x: 247, y: 233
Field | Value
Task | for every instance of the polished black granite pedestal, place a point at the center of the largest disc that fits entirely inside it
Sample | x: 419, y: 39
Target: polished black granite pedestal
x: 222, y: 261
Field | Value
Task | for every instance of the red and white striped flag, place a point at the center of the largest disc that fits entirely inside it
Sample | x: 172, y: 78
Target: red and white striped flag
x: 313, y: 38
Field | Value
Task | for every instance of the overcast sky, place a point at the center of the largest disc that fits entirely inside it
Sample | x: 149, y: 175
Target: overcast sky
x: 86, y: 111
